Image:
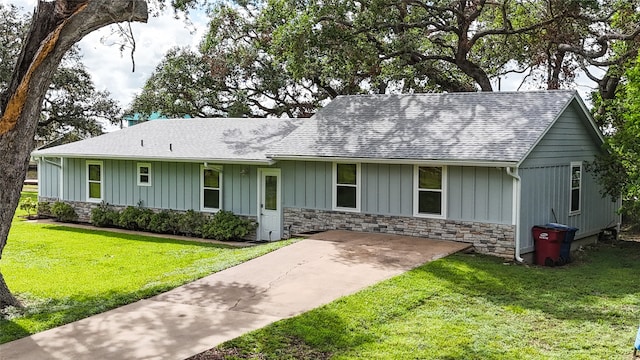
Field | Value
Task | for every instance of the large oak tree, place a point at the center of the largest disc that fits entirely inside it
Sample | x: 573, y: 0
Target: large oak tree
x: 55, y: 27
x: 73, y: 108
x: 286, y: 57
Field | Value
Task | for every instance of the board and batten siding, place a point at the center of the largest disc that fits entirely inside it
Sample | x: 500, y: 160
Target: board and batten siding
x: 74, y: 180
x: 240, y: 189
x: 174, y: 185
x: 387, y: 189
x: 569, y: 139
x: 546, y: 190
x: 49, y: 177
x: 545, y: 186
x: 473, y: 194
x: 306, y: 184
x: 480, y: 194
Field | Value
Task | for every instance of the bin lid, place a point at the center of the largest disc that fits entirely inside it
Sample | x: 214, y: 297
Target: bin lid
x: 547, y: 228
x: 561, y: 226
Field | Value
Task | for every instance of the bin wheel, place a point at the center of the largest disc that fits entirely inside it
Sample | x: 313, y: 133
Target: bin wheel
x: 549, y: 262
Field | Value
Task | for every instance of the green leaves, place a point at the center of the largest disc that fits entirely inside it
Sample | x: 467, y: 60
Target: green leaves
x: 618, y: 170
x: 73, y: 108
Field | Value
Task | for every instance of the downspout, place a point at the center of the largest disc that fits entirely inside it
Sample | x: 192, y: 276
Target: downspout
x: 50, y: 162
x: 513, y: 172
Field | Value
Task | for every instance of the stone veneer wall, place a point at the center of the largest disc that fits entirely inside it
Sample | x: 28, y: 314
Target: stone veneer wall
x: 83, y: 209
x: 487, y: 238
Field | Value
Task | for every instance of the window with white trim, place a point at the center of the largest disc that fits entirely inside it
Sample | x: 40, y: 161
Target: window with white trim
x: 346, y: 178
x: 429, y: 191
x: 210, y: 196
x: 144, y: 174
x: 95, y: 190
x: 576, y: 188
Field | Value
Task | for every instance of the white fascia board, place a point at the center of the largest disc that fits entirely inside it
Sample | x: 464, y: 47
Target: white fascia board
x: 479, y: 163
x: 162, y: 158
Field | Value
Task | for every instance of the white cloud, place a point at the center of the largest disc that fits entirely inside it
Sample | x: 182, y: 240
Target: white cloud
x: 111, y: 69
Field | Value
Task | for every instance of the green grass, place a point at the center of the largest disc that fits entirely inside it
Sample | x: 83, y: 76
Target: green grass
x: 472, y: 307
x: 63, y: 274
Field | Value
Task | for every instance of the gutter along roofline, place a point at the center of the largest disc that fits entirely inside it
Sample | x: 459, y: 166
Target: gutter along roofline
x: 480, y: 163
x: 265, y: 161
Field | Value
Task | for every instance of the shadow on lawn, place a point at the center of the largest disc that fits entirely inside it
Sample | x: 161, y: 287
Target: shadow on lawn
x: 312, y: 336
x: 608, y: 272
x: 59, y: 311
x: 600, y: 286
x: 11, y: 330
x: 142, y: 236
x: 161, y: 328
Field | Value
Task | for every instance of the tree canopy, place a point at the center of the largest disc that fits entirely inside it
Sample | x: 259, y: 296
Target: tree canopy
x: 73, y: 108
x: 286, y: 57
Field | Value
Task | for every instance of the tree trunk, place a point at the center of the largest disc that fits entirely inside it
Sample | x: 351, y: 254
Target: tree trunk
x: 6, y: 298
x: 55, y: 27
x: 476, y: 73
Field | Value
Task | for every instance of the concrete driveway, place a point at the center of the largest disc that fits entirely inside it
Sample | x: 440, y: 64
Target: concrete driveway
x: 200, y: 315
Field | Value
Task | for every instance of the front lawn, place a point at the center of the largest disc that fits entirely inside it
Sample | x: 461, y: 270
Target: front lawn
x: 63, y: 274
x: 470, y: 307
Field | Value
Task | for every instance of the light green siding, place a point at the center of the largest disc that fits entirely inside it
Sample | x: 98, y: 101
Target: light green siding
x: 387, y: 189
x: 473, y: 194
x: 569, y: 138
x: 546, y: 190
x: 74, y: 180
x: 545, y: 186
x: 480, y: 194
x: 174, y: 185
x: 239, y: 189
x: 306, y: 184
x: 49, y: 177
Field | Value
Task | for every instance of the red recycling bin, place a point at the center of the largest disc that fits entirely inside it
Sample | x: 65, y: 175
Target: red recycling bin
x: 547, y: 242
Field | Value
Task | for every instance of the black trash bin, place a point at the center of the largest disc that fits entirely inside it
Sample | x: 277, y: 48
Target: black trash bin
x: 565, y: 246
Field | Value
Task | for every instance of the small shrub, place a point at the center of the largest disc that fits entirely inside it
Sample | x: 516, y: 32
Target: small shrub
x: 164, y: 222
x: 144, y: 218
x: 29, y: 205
x: 226, y: 226
x: 44, y: 209
x: 63, y: 212
x: 129, y: 218
x: 191, y: 223
x: 104, y: 215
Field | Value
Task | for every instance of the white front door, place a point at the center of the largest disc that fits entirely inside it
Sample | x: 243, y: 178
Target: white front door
x: 269, y: 207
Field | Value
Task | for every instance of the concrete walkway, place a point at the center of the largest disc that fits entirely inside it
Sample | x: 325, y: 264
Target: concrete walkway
x: 200, y: 315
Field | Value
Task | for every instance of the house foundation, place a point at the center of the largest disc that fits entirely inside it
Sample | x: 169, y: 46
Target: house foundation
x: 487, y: 238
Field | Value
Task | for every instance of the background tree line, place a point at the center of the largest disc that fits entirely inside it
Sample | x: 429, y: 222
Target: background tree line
x: 288, y: 57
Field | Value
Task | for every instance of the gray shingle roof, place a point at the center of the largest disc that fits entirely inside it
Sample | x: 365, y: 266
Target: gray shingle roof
x: 464, y: 127
x: 191, y: 139
x: 498, y: 126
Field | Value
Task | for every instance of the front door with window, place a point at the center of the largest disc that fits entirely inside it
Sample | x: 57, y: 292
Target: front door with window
x: 269, y: 208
